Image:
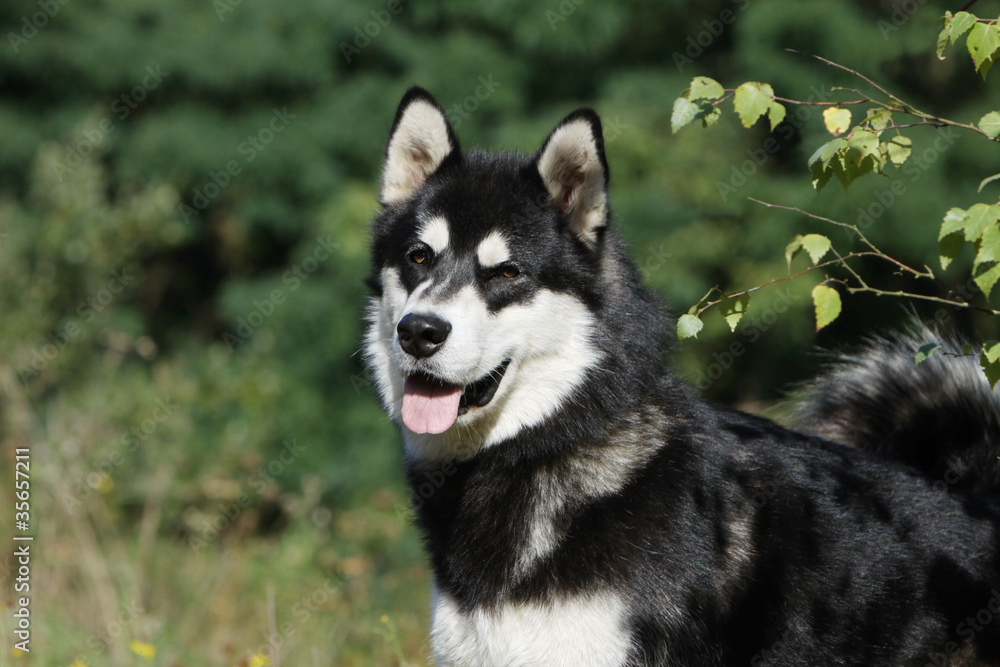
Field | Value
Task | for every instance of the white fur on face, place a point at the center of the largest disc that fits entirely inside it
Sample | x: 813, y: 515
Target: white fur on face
x: 418, y: 146
x: 492, y: 250
x: 547, y: 340
x: 434, y: 233
x: 573, y: 174
x: 579, y: 630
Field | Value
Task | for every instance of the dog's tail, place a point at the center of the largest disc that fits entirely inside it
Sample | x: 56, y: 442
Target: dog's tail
x: 940, y: 416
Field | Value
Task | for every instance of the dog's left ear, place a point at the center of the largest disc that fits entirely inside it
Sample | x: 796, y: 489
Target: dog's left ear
x: 575, y: 172
x: 421, y: 141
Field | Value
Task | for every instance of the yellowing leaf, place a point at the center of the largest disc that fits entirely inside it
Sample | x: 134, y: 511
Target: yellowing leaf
x: 899, y: 149
x: 837, y: 120
x: 816, y: 245
x: 752, y: 100
x: 734, y: 309
x: 688, y: 326
x: 827, y: 304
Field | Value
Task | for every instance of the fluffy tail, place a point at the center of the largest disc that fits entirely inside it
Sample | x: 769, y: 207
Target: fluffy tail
x: 940, y: 416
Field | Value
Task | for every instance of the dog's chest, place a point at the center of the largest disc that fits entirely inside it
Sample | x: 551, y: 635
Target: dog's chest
x: 586, y: 629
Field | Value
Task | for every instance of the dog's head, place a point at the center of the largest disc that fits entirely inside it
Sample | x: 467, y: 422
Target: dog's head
x: 485, y: 277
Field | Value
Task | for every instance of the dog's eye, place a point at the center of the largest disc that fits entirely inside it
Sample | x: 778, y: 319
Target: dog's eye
x: 507, y: 271
x: 420, y: 255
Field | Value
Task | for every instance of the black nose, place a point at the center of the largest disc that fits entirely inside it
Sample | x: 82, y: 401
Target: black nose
x: 422, y: 335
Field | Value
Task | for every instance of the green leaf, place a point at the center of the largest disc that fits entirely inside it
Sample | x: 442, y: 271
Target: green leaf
x: 949, y: 248
x: 827, y: 303
x: 987, y: 181
x: 990, y: 124
x: 688, y: 326
x: 705, y: 88
x: 684, y: 112
x: 960, y: 23
x: 879, y: 118
x: 816, y: 245
x: 734, y: 310
x: 988, y: 65
x: 991, y: 367
x: 837, y: 120
x: 987, y: 279
x: 989, y: 247
x: 752, y: 100
x: 793, y: 249
x: 980, y: 216
x: 775, y: 114
x: 982, y: 41
x: 899, y: 149
x: 865, y: 143
x: 944, y: 37
x: 925, y: 351
x: 954, y: 220
x: 712, y: 117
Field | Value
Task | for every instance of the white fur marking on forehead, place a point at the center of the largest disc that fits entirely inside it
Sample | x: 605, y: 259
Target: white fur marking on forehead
x: 417, y: 147
x: 434, y: 233
x: 574, y: 176
x: 493, y: 250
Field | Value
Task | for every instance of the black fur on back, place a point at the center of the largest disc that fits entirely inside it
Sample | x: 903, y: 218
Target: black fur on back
x: 940, y: 416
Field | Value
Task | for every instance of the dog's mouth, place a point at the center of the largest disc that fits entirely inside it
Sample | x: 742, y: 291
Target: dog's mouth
x: 432, y: 406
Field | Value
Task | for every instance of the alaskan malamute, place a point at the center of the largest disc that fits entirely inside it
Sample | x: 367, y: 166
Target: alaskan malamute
x: 581, y: 507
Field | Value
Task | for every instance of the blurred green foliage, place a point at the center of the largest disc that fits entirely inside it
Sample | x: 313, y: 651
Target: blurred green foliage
x: 184, y: 191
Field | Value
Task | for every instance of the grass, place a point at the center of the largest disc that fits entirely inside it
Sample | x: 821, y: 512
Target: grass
x: 335, y: 586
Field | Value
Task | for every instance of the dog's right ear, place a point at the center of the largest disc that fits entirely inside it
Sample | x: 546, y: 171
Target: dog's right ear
x: 421, y: 141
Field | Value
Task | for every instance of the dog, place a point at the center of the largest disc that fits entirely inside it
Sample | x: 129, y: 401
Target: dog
x: 580, y: 506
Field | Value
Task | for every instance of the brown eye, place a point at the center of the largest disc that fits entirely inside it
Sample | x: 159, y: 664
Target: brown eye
x: 508, y: 271
x: 419, y: 256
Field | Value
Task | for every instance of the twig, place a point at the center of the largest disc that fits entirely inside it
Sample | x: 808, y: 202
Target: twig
x: 874, y: 250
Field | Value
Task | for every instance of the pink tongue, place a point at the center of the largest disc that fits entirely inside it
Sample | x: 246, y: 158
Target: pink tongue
x: 429, y: 406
